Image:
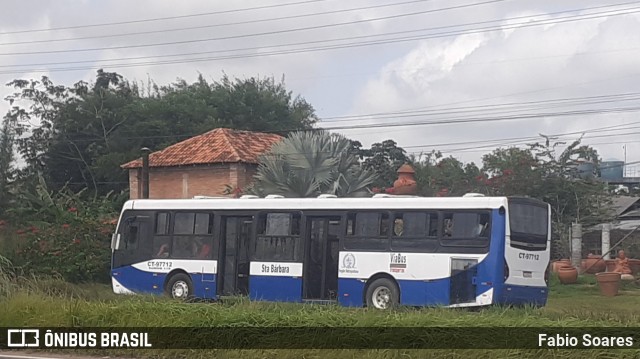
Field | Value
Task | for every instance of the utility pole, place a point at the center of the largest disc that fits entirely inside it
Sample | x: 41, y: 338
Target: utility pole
x: 606, y: 240
x: 576, y: 245
x: 624, y: 167
x: 145, y: 172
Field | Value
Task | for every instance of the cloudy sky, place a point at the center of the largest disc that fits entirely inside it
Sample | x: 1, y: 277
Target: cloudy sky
x: 461, y: 76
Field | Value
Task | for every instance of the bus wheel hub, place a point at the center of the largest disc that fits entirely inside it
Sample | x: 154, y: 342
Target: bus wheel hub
x: 180, y: 289
x: 381, y: 297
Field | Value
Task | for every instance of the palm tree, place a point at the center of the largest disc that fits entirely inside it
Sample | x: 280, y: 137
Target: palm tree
x: 310, y: 163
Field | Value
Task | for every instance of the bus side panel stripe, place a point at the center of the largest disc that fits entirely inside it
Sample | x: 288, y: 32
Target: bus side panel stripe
x: 350, y: 292
x: 204, y: 285
x: 139, y: 281
x: 275, y: 288
x: 418, y: 293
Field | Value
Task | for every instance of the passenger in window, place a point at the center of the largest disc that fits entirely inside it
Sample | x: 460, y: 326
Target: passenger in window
x: 448, y: 227
x: 482, y: 230
x: 163, y: 252
x: 398, y: 227
x: 204, y: 250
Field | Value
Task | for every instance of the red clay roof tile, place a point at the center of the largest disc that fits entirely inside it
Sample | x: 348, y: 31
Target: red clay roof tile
x: 221, y: 145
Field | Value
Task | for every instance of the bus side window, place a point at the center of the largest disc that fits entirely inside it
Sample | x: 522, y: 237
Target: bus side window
x: 131, y: 236
x: 466, y: 226
x: 483, y: 225
x: 398, y: 227
x: 161, y: 239
x: 367, y: 231
x: 278, y: 237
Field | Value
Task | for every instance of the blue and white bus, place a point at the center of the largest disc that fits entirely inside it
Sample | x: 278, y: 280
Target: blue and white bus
x: 379, y: 252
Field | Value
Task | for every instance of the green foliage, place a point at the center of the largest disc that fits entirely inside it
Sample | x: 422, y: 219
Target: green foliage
x: 86, y: 131
x: 510, y: 171
x: 384, y: 159
x: 6, y: 276
x: 546, y: 170
x: 7, y: 140
x: 48, y: 303
x: 549, y: 172
x: 438, y: 176
x: 78, y: 251
x: 40, y: 206
x: 307, y: 164
x: 61, y: 233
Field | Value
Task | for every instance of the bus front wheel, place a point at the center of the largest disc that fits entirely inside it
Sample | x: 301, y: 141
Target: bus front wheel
x: 382, y: 293
x: 180, y: 286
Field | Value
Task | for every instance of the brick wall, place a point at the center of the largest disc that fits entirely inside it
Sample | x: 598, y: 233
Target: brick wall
x: 186, y: 182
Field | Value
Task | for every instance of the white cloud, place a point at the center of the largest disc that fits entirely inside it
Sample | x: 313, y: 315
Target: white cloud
x: 527, y: 63
x: 523, y: 65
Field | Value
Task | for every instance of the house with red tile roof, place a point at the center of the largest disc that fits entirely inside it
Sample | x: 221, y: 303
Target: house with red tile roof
x: 202, y: 165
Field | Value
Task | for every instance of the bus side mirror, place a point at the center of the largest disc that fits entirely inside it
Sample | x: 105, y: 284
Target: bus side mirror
x: 115, y: 241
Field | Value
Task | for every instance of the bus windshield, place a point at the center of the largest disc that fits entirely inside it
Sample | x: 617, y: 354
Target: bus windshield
x: 529, y: 225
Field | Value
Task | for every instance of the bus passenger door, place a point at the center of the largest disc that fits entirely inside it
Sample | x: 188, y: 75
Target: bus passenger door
x: 233, y: 267
x: 321, y: 258
x: 463, y: 276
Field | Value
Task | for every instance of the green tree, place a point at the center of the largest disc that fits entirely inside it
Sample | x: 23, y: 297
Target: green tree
x: 310, y: 163
x: 7, y: 139
x: 510, y: 172
x: 549, y: 170
x: 80, y: 135
x: 384, y: 159
x: 443, y: 176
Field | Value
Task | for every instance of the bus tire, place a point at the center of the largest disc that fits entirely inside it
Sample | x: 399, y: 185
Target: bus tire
x: 382, y: 294
x: 180, y: 287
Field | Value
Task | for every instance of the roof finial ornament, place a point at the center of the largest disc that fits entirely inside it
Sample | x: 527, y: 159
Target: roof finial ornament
x: 406, y: 183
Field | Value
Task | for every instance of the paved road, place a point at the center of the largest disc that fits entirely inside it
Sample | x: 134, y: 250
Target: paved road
x: 25, y: 355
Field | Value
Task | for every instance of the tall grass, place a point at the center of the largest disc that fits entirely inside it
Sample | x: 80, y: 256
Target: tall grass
x: 6, y: 275
x: 52, y: 302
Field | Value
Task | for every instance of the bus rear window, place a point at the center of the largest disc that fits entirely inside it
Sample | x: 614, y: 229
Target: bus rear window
x: 529, y: 226
x: 528, y: 219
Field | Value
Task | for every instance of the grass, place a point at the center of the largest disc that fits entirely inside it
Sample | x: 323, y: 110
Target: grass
x: 6, y: 283
x: 51, y: 302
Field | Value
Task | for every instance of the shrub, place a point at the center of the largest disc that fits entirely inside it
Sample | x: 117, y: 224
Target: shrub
x: 6, y: 273
x: 78, y: 251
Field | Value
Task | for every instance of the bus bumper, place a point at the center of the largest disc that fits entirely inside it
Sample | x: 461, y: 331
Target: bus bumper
x: 524, y: 295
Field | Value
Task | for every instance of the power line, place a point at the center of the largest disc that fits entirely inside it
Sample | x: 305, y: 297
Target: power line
x: 163, y: 18
x: 483, y: 108
x: 217, y: 25
x: 491, y: 119
x: 314, y: 49
x: 276, y: 32
x: 528, y: 138
x: 524, y: 143
x: 424, y: 123
x: 463, y: 109
x: 331, y: 40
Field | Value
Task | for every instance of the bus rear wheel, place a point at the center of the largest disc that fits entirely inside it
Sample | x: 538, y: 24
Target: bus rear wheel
x: 382, y: 293
x: 180, y: 287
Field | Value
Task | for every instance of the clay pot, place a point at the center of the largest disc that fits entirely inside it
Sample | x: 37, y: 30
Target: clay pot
x: 567, y: 274
x: 609, y: 283
x: 557, y: 264
x: 611, y: 265
x: 593, y: 265
x: 406, y: 183
x: 634, y: 265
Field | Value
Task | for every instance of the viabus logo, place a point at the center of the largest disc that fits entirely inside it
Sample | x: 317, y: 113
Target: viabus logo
x: 23, y: 338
